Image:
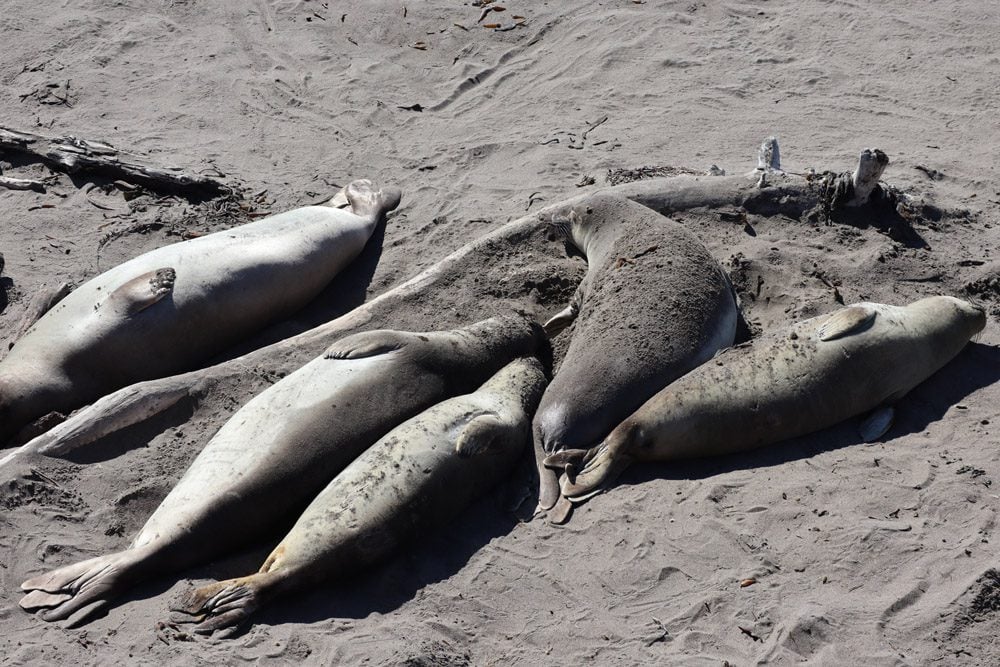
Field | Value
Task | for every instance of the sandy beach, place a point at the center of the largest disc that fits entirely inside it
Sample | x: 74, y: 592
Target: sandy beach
x: 876, y: 554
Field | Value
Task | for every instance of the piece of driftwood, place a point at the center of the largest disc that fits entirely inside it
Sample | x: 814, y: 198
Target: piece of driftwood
x: 73, y: 155
x: 767, y: 191
x: 12, y: 183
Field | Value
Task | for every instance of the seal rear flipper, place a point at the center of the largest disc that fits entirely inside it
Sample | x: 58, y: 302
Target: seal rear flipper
x: 601, y: 468
x: 566, y: 459
x: 222, y: 606
x: 367, y: 201
x: 85, y: 587
x: 548, y: 481
x: 846, y: 322
x: 367, y: 344
x: 561, y: 511
x: 141, y: 292
x: 877, y: 424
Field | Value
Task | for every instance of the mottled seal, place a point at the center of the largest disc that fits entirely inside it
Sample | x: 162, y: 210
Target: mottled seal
x: 422, y: 474
x: 171, y: 308
x: 653, y: 305
x: 281, y: 448
x: 810, y: 376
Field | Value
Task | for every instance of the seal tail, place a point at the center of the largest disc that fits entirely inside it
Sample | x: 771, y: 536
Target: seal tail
x: 77, y: 592
x: 224, y: 605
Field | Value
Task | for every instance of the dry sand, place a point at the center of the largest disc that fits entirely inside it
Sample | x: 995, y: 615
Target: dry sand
x: 863, y: 554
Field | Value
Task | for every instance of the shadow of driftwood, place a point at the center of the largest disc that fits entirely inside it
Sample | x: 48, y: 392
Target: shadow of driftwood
x: 976, y: 367
x: 883, y: 214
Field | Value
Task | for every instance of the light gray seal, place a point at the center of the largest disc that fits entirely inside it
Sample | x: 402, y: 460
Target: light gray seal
x: 653, y: 305
x: 812, y: 375
x: 171, y: 308
x: 421, y: 475
x: 280, y: 449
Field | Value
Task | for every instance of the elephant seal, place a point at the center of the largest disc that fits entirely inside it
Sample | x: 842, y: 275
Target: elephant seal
x: 812, y: 375
x: 281, y: 448
x: 653, y: 305
x: 169, y: 309
x: 421, y: 475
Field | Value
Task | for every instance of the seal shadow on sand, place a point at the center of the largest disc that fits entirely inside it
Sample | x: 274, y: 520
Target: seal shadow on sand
x: 133, y: 437
x: 382, y: 588
x: 977, y: 366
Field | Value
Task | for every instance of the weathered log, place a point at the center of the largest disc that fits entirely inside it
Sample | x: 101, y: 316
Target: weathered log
x: 73, y: 155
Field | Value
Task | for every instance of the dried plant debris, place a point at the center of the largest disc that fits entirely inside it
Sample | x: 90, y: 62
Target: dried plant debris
x: 619, y: 176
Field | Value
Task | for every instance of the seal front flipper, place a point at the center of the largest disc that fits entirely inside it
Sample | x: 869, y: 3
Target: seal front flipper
x: 484, y: 433
x: 141, y: 292
x: 564, y: 317
x: 367, y: 344
x: 846, y: 322
x: 339, y: 200
x: 877, y: 423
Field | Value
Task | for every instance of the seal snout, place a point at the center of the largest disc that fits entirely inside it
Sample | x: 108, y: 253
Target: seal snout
x: 972, y: 313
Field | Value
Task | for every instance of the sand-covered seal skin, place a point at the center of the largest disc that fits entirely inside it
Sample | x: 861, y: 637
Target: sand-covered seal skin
x: 280, y: 449
x: 653, y: 304
x: 420, y: 475
x: 812, y: 375
x: 171, y: 308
